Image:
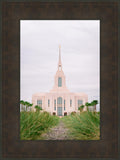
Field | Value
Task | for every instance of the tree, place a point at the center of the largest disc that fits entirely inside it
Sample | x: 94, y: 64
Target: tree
x: 38, y: 108
x: 30, y: 105
x: 27, y: 104
x: 81, y: 108
x: 87, y: 104
x: 94, y: 103
x: 22, y: 103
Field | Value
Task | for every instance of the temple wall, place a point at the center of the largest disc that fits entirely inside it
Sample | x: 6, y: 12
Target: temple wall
x: 65, y: 96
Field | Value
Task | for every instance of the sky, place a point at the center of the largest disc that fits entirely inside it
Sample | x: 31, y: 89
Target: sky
x: 80, y: 55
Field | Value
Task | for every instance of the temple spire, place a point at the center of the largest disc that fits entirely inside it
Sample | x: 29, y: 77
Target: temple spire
x: 59, y: 62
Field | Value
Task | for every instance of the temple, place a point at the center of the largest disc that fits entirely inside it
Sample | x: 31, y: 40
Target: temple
x: 59, y: 101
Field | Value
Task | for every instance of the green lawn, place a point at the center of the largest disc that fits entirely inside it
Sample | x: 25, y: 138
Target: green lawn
x: 84, y: 126
x: 33, y: 124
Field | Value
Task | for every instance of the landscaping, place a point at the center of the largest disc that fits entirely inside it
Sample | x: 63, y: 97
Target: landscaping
x: 84, y: 126
x: 33, y: 124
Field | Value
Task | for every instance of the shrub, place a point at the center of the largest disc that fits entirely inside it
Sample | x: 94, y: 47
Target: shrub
x: 73, y: 113
x: 84, y: 126
x: 33, y: 124
x: 38, y: 108
x: 81, y: 108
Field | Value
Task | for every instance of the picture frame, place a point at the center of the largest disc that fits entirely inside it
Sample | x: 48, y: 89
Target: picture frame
x: 12, y: 13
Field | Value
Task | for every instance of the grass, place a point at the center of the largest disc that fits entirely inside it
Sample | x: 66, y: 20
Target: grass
x: 84, y: 126
x: 33, y: 124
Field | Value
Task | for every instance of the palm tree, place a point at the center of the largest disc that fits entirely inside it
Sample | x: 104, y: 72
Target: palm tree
x: 22, y: 103
x: 27, y: 104
x: 38, y: 108
x: 81, y: 108
x: 30, y: 105
x: 87, y: 104
x: 94, y: 103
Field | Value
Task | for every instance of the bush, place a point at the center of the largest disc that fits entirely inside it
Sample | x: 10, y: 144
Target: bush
x: 46, y: 113
x: 84, y: 126
x: 73, y: 113
x: 81, y: 108
x: 33, y: 124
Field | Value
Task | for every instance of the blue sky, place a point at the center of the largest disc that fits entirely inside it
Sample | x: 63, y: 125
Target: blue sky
x: 80, y: 54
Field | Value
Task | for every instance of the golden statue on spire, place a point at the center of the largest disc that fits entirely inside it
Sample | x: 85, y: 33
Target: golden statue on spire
x: 59, y: 46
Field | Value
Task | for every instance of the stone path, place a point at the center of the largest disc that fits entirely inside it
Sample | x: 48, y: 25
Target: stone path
x: 59, y: 132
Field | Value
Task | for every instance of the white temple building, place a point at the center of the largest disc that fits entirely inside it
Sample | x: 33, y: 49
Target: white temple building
x: 59, y: 101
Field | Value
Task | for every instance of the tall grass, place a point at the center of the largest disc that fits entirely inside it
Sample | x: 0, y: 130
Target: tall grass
x: 84, y: 126
x: 33, y: 124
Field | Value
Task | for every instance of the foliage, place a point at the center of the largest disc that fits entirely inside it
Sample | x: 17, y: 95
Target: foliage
x: 81, y: 108
x: 25, y: 105
x: 84, y: 126
x: 93, y: 103
x: 87, y: 104
x: 38, y: 108
x: 22, y: 105
x: 73, y: 113
x: 45, y: 112
x: 33, y: 124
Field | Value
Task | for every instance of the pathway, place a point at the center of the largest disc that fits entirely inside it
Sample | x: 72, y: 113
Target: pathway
x: 59, y: 132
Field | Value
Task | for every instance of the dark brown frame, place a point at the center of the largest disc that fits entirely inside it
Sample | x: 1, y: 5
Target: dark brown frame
x: 107, y: 146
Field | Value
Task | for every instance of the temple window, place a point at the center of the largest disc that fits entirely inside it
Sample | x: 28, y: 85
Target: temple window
x: 80, y: 102
x: 59, y: 82
x: 48, y: 103
x: 55, y: 104
x: 70, y: 102
x: 59, y: 100
x: 39, y: 103
x: 64, y: 105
